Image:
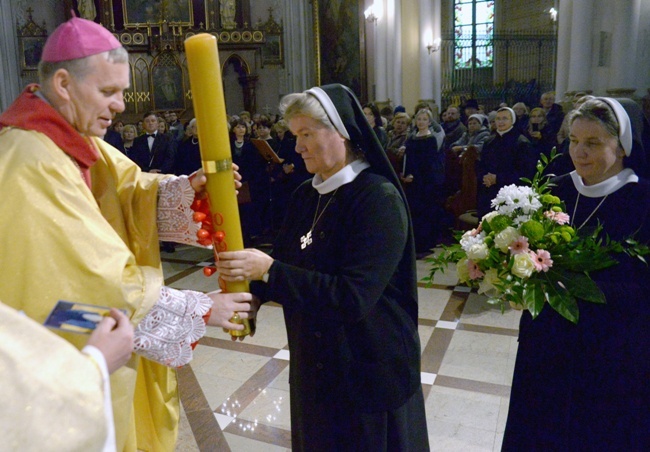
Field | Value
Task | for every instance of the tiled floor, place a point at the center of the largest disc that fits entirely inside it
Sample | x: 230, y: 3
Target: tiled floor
x: 235, y: 395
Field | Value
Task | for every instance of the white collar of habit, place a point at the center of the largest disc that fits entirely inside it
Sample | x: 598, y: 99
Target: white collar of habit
x: 344, y: 176
x: 605, y: 187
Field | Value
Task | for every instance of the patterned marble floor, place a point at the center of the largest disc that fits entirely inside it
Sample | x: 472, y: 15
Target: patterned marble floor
x: 235, y: 395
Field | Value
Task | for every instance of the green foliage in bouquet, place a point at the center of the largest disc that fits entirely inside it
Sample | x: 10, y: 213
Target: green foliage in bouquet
x: 525, y: 253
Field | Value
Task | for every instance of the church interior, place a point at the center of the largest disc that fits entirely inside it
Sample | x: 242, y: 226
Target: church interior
x: 234, y: 395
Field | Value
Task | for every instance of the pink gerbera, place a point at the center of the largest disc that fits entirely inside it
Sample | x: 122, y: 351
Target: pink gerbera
x: 558, y: 217
x: 474, y: 271
x: 542, y: 260
x: 519, y: 246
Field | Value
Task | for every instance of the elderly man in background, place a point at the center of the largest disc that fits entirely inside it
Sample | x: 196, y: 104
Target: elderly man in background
x: 453, y: 127
x: 82, y: 213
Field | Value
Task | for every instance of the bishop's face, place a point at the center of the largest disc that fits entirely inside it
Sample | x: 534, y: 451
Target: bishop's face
x: 322, y: 148
x: 94, y: 99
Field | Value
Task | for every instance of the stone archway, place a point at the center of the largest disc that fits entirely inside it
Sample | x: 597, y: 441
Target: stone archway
x: 238, y: 85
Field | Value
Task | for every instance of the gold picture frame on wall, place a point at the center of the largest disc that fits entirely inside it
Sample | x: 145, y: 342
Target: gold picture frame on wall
x: 339, y: 41
x: 177, y: 12
x: 31, y: 40
x: 272, y: 50
x: 31, y: 48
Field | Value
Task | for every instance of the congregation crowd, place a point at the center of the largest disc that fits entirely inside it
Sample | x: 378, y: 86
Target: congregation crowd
x: 422, y: 148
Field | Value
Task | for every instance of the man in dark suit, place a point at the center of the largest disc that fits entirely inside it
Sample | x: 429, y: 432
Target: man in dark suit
x: 153, y: 151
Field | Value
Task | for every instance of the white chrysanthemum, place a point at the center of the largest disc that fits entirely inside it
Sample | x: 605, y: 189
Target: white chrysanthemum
x: 478, y: 251
x: 521, y: 219
x: 469, y: 239
x: 513, y: 198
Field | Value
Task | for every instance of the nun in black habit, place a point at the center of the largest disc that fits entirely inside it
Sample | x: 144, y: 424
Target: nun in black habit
x: 343, y: 268
x: 584, y: 386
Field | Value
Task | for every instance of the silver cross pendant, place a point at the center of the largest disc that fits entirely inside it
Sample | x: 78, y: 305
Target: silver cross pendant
x: 305, y: 240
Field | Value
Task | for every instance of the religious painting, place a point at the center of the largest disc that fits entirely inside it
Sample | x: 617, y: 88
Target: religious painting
x: 154, y: 11
x: 168, y: 88
x: 339, y: 44
x: 31, y: 48
x: 272, y: 50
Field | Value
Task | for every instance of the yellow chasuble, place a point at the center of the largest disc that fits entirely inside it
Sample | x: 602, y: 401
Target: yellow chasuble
x: 62, y: 241
x: 52, y: 395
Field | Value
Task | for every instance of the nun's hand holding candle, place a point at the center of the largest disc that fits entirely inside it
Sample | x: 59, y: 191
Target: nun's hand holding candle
x: 343, y: 269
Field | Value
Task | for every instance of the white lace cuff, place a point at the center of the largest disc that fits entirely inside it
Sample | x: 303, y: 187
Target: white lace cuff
x: 175, y: 223
x: 167, y: 331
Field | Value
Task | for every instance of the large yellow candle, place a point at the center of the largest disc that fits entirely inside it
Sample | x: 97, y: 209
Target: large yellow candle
x: 210, y: 112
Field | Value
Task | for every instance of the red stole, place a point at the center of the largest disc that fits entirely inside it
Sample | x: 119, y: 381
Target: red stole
x: 30, y: 112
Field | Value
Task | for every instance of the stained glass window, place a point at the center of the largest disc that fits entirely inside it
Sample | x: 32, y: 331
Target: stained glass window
x: 473, y: 31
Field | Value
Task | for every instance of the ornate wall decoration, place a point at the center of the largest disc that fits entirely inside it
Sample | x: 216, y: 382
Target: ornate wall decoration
x: 167, y: 81
x: 339, y: 40
x: 272, y: 51
x: 153, y: 31
x: 31, y: 39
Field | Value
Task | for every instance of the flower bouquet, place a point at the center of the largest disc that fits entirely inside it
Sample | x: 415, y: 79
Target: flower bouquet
x: 525, y: 253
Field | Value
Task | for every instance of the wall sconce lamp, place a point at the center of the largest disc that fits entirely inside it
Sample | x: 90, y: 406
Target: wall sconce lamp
x: 434, y: 46
x: 373, y: 13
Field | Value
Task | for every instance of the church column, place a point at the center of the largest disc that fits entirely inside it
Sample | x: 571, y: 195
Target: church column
x: 394, y: 52
x: 580, y: 65
x: 381, y: 39
x: 436, y: 55
x: 563, y: 49
x: 623, y: 67
x: 9, y: 65
x: 426, y: 62
x: 298, y: 43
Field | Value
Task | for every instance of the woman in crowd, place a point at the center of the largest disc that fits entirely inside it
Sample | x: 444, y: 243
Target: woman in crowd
x: 585, y: 386
x: 288, y: 176
x: 163, y: 127
x: 188, y: 154
x: 477, y: 133
x: 264, y: 132
x: 505, y: 158
x: 423, y: 178
x: 254, y: 195
x: 118, y: 127
x: 521, y: 110
x: 374, y: 119
x: 396, y: 138
x: 541, y: 137
x: 343, y: 269
x: 128, y: 135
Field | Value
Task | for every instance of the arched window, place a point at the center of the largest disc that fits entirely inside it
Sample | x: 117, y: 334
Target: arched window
x: 473, y: 31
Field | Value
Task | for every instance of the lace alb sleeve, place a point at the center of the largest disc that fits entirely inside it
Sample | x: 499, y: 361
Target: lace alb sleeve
x: 167, y: 331
x: 175, y: 223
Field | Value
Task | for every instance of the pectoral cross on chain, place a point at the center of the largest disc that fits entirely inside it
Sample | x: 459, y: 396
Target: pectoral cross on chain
x: 305, y: 240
